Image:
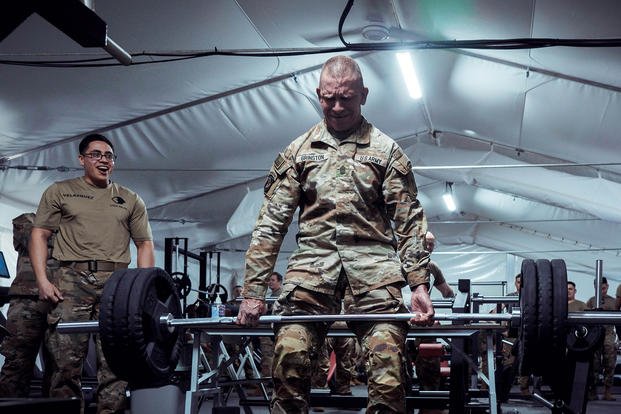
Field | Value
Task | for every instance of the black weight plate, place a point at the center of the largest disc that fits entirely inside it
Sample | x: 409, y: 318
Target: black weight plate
x: 183, y: 282
x: 528, y: 319
x: 118, y: 349
x: 158, y: 349
x: 583, y: 339
x: 544, y: 314
x: 559, y: 328
x: 217, y: 289
x: 113, y: 336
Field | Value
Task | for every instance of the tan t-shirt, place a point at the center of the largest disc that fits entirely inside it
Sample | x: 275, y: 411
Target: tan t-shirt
x: 93, y: 223
x: 576, y: 306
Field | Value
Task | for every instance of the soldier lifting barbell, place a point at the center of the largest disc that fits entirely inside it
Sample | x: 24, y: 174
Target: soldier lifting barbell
x: 140, y: 324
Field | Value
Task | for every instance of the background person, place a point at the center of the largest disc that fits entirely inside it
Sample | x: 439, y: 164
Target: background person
x: 573, y: 304
x: 95, y: 219
x: 428, y: 368
x: 350, y: 181
x: 266, y: 343
x: 605, y: 357
x: 26, y: 319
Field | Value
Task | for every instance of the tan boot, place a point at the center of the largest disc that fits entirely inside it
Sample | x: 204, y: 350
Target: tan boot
x: 608, y: 395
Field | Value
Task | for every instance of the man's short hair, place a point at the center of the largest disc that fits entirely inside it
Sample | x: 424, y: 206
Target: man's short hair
x: 518, y: 276
x: 91, y: 138
x: 278, y: 276
x: 569, y: 282
x: 340, y: 65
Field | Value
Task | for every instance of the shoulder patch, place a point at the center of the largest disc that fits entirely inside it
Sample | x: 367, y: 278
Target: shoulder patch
x: 279, y: 162
x: 402, y: 162
x: 269, y: 182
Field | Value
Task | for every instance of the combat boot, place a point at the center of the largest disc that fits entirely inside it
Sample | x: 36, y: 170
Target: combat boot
x: 592, y: 395
x: 608, y: 395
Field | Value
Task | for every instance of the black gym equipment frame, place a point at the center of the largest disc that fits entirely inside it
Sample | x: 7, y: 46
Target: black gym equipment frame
x: 172, y: 247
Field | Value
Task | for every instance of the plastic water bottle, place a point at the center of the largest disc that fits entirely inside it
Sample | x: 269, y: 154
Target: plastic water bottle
x: 217, y: 308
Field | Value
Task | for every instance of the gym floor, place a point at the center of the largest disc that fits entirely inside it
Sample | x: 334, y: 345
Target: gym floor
x: 514, y: 406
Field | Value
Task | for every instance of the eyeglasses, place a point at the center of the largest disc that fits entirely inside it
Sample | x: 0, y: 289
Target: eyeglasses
x: 96, y: 155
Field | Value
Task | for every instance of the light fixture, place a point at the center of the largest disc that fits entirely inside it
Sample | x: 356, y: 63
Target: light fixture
x: 375, y: 32
x: 448, y: 197
x: 409, y: 74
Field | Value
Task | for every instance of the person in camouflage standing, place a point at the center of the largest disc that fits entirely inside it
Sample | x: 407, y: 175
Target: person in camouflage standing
x: 94, y: 220
x: 605, y: 357
x: 27, y: 317
x: 428, y: 368
x: 350, y: 182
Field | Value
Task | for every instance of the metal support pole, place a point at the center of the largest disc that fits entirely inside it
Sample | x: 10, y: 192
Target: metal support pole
x: 491, y: 372
x: 598, y: 284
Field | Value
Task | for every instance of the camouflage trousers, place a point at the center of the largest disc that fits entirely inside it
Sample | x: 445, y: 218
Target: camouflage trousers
x: 298, y: 346
x: 81, y: 303
x: 346, y: 357
x: 27, y: 323
x: 427, y: 368
x: 267, y: 355
x: 605, y: 359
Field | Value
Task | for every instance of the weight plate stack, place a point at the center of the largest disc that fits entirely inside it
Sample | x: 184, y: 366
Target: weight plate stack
x: 157, y: 348
x: 529, y: 319
x: 137, y: 347
x: 558, y: 373
x: 544, y: 326
x: 113, y: 331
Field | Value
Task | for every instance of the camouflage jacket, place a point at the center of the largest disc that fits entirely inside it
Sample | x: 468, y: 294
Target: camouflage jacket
x: 348, y: 192
x: 25, y: 281
x: 438, y: 276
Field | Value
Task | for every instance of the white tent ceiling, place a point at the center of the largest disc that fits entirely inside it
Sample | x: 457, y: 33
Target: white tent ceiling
x: 196, y: 137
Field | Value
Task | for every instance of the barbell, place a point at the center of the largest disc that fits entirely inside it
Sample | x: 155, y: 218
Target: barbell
x: 140, y: 322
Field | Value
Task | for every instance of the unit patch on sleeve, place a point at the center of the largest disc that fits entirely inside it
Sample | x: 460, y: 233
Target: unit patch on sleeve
x: 268, y: 183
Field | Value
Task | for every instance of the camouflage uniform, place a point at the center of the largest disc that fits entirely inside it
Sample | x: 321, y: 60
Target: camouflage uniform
x: 348, y: 192
x: 428, y: 368
x: 267, y: 347
x: 346, y: 357
x: 344, y: 349
x: 27, y: 317
x: 605, y: 358
x: 95, y: 226
x: 618, y: 327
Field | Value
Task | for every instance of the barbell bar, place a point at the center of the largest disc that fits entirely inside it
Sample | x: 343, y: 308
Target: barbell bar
x: 586, y: 318
x: 170, y: 322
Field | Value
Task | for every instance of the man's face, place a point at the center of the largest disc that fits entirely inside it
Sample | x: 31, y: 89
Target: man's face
x: 571, y: 292
x: 341, y: 99
x: 604, y: 289
x: 237, y: 290
x: 431, y: 243
x: 97, y: 171
x: 518, y: 283
x: 273, y: 282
